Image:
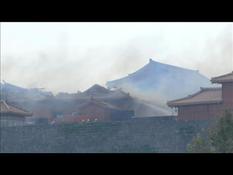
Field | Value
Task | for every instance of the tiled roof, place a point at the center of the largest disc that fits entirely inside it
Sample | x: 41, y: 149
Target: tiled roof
x: 11, y: 110
x: 204, y: 96
x: 223, y: 78
x: 99, y: 103
x: 96, y: 90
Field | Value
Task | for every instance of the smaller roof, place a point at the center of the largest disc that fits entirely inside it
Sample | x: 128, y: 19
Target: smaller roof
x: 96, y: 90
x: 99, y: 103
x: 223, y: 78
x: 204, y: 96
x: 11, y: 110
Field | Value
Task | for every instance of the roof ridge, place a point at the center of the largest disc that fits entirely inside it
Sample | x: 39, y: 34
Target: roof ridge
x: 210, y: 88
x: 151, y: 61
x: 222, y: 75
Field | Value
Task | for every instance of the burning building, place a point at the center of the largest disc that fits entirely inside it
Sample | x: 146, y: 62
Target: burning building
x: 208, y: 102
x: 95, y: 110
x: 12, y: 116
x: 103, y: 111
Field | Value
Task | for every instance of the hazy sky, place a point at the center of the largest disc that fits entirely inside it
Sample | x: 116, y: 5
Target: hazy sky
x: 73, y: 56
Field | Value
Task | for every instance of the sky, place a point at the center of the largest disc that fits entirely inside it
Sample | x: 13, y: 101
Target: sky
x: 67, y: 57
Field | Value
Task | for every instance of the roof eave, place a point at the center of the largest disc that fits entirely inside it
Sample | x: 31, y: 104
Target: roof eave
x: 173, y: 104
x: 218, y: 79
x: 17, y: 114
x: 221, y: 81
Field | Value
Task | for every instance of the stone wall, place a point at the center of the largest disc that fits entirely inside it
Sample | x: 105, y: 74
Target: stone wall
x: 154, y: 134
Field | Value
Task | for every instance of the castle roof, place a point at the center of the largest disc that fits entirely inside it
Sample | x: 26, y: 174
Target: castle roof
x: 204, y: 96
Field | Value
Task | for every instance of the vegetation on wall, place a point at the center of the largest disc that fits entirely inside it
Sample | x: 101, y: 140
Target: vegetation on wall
x: 219, y: 139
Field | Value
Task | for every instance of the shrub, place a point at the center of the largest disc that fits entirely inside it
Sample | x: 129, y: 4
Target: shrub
x: 219, y: 138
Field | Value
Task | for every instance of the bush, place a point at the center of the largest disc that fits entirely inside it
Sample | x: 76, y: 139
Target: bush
x: 219, y: 139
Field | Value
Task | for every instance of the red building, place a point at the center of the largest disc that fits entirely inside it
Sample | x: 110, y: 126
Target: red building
x: 95, y: 110
x: 208, y: 102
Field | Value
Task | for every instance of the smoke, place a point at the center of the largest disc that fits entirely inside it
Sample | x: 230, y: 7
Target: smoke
x: 211, y: 56
x: 217, y: 55
x: 75, y: 71
x: 132, y: 55
x: 70, y: 67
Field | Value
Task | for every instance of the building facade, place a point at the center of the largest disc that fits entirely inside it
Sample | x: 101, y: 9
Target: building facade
x: 208, y: 102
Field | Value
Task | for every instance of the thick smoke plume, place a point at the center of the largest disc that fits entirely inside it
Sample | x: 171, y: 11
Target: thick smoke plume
x: 65, y: 68
x: 217, y: 56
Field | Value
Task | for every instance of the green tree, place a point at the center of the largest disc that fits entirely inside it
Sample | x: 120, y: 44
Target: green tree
x: 199, y: 145
x: 219, y: 139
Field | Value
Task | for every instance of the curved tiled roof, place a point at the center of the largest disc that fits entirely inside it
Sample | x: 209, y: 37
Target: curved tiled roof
x: 204, y: 96
x: 223, y: 78
x: 11, y: 110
